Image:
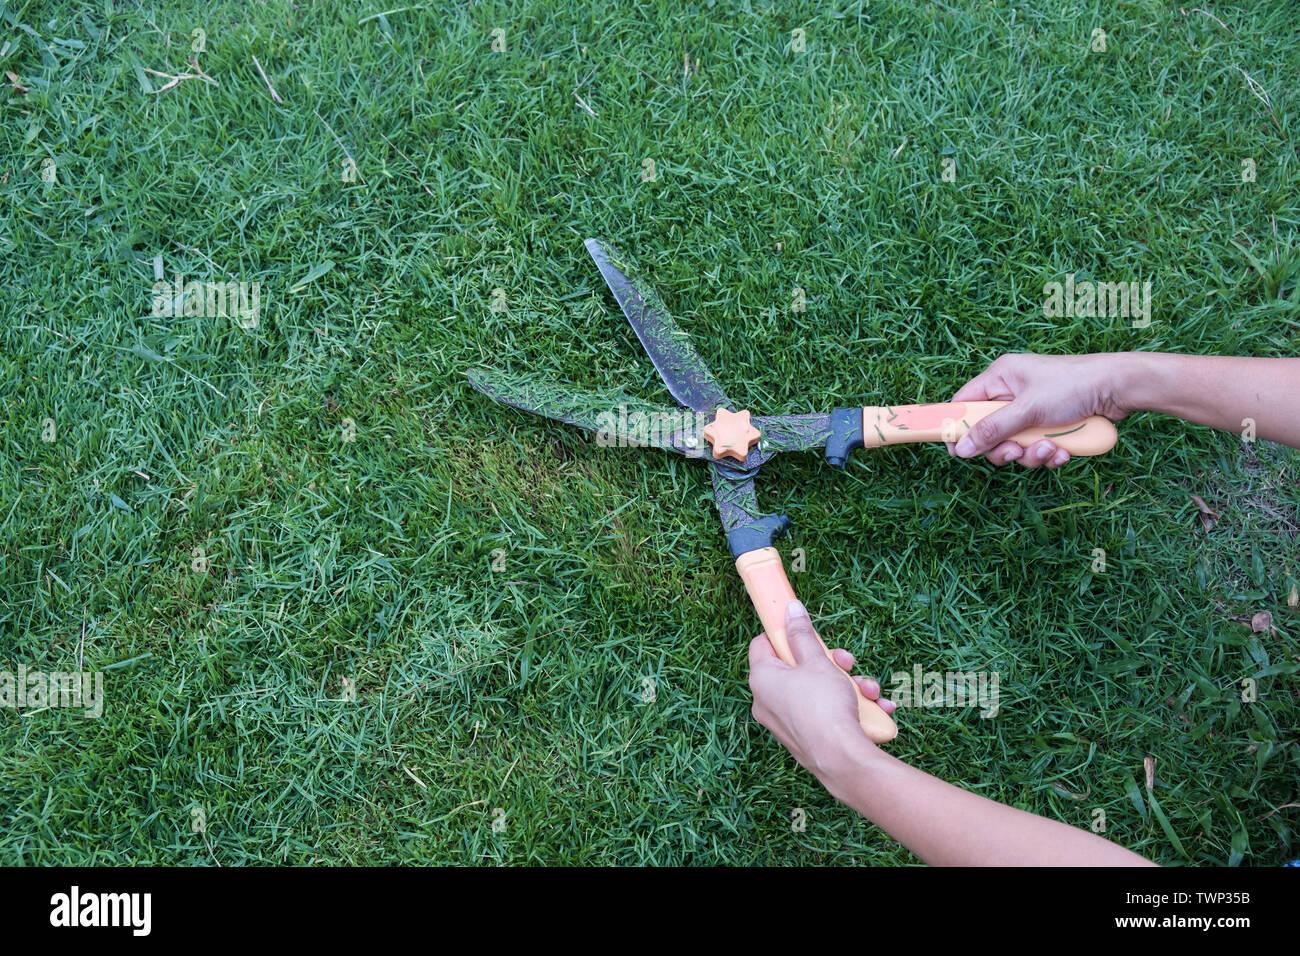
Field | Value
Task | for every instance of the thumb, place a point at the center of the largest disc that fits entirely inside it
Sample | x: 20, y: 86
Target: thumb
x: 991, y: 430
x: 804, y: 644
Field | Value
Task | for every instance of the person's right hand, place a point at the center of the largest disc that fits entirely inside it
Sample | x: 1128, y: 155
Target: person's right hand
x: 1043, y: 390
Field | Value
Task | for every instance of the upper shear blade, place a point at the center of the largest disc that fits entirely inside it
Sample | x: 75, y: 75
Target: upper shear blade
x: 684, y: 372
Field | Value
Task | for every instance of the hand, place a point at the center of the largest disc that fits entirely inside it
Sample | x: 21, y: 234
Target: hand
x: 809, y: 707
x: 811, y: 710
x: 1044, y: 390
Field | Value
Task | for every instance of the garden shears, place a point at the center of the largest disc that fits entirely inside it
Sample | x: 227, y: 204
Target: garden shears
x: 736, y: 444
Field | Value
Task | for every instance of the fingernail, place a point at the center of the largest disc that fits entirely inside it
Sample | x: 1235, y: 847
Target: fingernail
x: 1061, y: 457
x: 795, y: 609
x: 1045, y: 452
x: 965, y: 447
x: 1015, y: 453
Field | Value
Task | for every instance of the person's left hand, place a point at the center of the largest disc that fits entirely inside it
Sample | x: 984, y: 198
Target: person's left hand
x: 809, y: 707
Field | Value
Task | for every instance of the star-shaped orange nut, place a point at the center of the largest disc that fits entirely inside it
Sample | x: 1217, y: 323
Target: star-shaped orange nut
x: 731, y: 435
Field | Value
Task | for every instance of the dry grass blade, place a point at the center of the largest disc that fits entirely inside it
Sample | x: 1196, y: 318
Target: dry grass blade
x: 274, y: 95
x: 175, y: 79
x: 1209, y: 517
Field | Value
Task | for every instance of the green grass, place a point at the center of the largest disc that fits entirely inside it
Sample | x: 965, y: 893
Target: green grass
x: 515, y: 697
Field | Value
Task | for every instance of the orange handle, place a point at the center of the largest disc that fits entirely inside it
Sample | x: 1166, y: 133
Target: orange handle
x: 949, y: 421
x: 769, y: 590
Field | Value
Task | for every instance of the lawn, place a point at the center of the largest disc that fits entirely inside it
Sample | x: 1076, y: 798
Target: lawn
x: 347, y: 610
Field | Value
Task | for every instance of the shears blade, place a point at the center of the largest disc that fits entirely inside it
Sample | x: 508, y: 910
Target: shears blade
x: 687, y: 376
x: 619, y: 420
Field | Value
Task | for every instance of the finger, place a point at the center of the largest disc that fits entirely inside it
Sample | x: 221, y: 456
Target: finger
x: 993, y: 429
x: 799, y: 633
x: 1059, y: 459
x: 761, y: 653
x: 843, y: 659
x: 869, y: 686
x: 1005, y: 453
x: 986, y: 386
x: 1038, y: 454
x: 871, y: 690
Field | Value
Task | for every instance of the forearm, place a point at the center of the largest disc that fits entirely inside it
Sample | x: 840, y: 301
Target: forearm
x: 1218, y: 391
x: 945, y: 825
